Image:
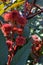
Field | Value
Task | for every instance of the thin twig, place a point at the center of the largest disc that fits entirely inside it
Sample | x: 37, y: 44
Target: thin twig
x: 37, y: 6
x: 34, y: 14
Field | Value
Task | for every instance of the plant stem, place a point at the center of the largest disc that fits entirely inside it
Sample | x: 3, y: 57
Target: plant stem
x: 34, y: 14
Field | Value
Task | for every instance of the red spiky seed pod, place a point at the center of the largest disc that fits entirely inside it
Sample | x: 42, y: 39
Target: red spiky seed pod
x: 20, y: 41
x: 21, y: 21
x: 14, y: 15
x: 6, y: 29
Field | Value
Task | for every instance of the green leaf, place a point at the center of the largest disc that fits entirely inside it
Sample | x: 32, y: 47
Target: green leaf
x: 3, y: 50
x: 21, y: 56
x: 1, y: 19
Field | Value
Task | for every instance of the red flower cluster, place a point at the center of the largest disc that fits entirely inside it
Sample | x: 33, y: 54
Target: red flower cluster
x: 20, y: 40
x: 14, y: 19
x: 36, y: 47
x: 6, y: 29
x: 14, y: 16
x: 11, y: 16
x: 11, y: 49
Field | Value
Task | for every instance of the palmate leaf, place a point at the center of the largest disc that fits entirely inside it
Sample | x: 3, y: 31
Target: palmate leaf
x: 21, y: 56
x: 3, y: 50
